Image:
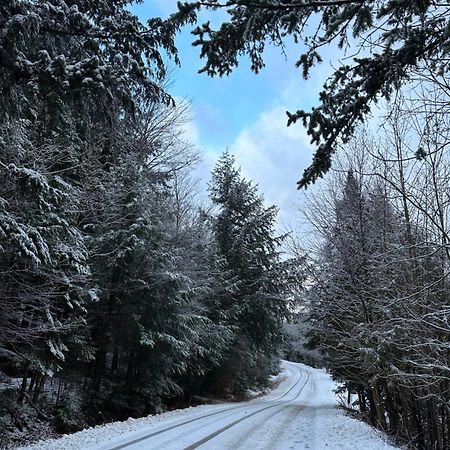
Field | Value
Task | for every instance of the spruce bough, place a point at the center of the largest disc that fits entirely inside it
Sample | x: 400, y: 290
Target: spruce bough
x: 399, y: 37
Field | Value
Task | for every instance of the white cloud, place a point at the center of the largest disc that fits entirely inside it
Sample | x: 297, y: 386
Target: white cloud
x: 271, y: 155
x: 190, y: 133
x: 274, y: 156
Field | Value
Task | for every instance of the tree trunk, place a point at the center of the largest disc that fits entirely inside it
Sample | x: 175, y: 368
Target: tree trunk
x: 101, y: 342
x: 417, y: 428
x: 434, y: 424
x: 34, y: 374
x: 391, y: 409
x: 59, y: 392
x: 362, y: 400
x: 23, y: 386
x: 403, y: 394
x: 372, y: 408
x: 378, y: 400
x: 38, y: 388
x: 99, y: 368
x: 115, y: 360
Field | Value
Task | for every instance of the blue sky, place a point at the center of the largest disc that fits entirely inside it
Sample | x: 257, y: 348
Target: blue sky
x: 245, y: 113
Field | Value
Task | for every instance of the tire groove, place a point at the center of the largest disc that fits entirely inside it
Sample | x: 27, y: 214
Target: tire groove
x: 156, y: 433
x: 232, y: 424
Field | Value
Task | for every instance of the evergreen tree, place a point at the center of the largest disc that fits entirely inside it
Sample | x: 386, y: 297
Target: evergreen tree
x: 73, y: 78
x: 72, y: 73
x: 377, y: 281
x: 397, y: 38
x: 117, y: 295
x: 243, y: 229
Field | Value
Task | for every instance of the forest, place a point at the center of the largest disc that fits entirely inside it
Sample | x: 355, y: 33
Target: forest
x: 121, y: 294
x: 124, y: 293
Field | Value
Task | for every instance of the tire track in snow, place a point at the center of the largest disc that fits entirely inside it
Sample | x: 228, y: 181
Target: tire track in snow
x: 292, y: 417
x: 232, y: 424
x: 280, y: 428
x: 156, y: 433
x: 241, y: 443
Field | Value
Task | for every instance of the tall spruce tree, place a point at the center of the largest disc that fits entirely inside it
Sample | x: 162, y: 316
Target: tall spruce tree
x: 244, y: 232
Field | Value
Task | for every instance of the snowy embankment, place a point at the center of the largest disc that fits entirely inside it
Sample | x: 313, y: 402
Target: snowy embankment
x: 300, y: 413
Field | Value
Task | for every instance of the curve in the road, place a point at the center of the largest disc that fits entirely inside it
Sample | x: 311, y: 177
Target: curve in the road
x: 156, y: 433
x: 232, y: 424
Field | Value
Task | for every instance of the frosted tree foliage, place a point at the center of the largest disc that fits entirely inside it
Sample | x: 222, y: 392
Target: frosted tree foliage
x: 117, y: 297
x: 380, y: 301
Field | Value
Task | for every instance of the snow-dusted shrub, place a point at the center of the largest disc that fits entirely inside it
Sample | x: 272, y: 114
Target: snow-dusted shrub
x: 69, y: 414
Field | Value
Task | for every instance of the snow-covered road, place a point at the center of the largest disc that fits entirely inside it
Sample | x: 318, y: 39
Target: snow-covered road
x: 300, y: 414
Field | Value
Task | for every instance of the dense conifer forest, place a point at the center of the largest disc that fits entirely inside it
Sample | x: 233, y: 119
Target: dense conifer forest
x: 121, y: 294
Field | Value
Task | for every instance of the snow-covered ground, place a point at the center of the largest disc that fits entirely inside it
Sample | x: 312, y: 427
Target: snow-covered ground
x: 301, y: 413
